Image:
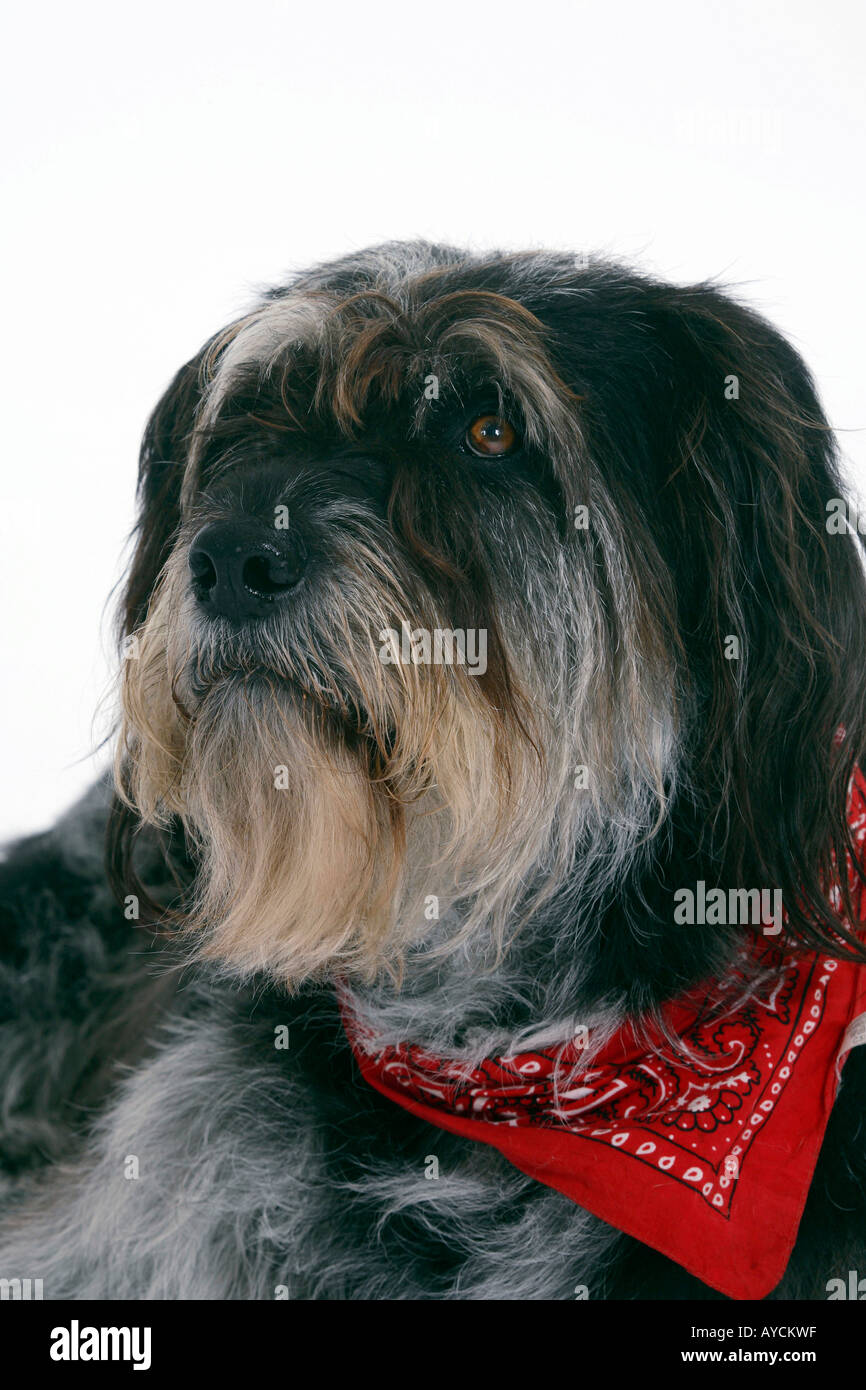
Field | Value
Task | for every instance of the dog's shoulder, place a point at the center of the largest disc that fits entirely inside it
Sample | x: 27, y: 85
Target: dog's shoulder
x: 63, y: 934
x: 78, y: 983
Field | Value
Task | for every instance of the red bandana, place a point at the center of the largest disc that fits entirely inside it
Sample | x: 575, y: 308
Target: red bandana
x: 704, y: 1152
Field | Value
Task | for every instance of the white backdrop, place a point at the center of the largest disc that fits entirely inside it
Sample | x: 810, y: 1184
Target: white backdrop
x: 162, y: 161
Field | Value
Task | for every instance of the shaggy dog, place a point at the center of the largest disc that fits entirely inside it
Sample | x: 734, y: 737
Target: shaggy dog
x: 482, y: 608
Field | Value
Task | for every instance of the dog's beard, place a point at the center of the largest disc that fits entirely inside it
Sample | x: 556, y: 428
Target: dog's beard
x: 337, y: 805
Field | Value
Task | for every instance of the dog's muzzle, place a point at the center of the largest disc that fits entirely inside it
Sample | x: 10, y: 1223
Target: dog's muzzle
x: 242, y: 569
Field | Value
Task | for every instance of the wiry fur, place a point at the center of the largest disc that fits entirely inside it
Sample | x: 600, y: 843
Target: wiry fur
x: 262, y: 1169
x: 407, y: 780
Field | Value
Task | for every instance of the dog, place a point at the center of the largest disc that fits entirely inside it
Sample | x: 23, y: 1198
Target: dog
x: 494, y: 623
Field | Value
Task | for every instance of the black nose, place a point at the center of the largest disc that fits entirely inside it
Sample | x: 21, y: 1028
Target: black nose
x: 242, y: 569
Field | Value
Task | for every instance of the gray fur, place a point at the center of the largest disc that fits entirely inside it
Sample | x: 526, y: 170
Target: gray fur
x: 242, y: 1192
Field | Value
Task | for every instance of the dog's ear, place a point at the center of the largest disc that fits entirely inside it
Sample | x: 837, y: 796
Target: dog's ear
x: 162, y: 461
x: 772, y: 602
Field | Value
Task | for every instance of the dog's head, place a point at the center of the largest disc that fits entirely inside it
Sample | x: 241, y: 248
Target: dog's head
x: 467, y: 585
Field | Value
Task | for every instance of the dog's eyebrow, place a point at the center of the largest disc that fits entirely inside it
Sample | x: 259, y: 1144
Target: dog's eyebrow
x: 255, y: 341
x: 457, y: 400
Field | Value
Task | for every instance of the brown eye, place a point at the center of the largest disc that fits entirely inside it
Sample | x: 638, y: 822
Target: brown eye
x: 490, y: 435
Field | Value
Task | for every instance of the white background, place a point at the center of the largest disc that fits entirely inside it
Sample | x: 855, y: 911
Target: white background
x: 162, y: 161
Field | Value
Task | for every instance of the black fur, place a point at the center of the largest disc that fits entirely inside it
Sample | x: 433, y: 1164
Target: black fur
x: 722, y: 504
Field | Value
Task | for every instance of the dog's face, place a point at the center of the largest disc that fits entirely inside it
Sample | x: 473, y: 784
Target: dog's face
x: 438, y: 565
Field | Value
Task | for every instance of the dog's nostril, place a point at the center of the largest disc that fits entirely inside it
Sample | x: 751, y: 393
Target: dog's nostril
x: 203, y: 571
x: 269, y: 575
